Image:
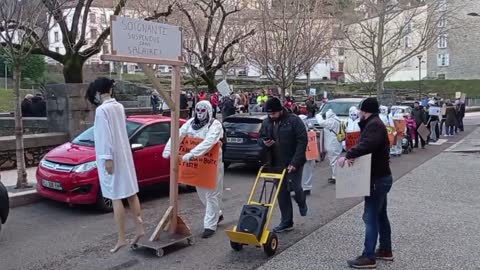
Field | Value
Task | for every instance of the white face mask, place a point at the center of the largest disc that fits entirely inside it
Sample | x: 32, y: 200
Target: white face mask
x: 354, y: 116
x: 201, y: 112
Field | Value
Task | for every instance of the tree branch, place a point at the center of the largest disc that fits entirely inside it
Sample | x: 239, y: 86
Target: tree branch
x: 81, y: 41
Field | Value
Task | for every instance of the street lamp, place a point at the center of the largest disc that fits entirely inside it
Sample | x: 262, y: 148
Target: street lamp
x: 420, y: 77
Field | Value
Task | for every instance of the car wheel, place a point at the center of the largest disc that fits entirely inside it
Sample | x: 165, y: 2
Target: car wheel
x: 104, y: 204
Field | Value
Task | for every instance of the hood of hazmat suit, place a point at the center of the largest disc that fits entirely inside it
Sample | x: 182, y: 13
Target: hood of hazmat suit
x: 386, y: 119
x: 353, y: 120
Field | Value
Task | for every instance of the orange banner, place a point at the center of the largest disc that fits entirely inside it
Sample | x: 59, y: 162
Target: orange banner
x: 312, y: 146
x: 200, y: 171
x: 400, y: 126
x: 391, y: 136
x: 352, y: 139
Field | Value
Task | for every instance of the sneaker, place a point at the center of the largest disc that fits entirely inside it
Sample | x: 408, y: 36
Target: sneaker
x: 283, y: 228
x: 207, y: 233
x: 362, y: 263
x: 331, y: 180
x: 307, y: 192
x: 384, y: 255
x: 303, y: 211
x: 220, y: 219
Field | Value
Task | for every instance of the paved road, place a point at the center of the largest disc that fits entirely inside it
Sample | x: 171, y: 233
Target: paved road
x: 49, y: 235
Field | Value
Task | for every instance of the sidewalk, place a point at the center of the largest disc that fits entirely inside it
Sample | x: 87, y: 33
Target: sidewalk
x: 23, y: 197
x: 435, y: 216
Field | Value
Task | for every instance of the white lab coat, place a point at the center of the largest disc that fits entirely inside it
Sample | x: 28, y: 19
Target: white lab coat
x: 112, y: 143
x: 211, y: 134
x: 331, y: 127
x: 309, y: 167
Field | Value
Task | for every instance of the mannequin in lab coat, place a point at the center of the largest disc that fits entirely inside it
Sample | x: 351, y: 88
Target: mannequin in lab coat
x: 331, y: 127
x: 204, y: 126
x: 116, y: 170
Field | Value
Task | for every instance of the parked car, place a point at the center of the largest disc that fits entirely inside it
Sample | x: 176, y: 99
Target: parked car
x: 243, y: 131
x: 4, y: 205
x: 340, y: 106
x: 68, y: 173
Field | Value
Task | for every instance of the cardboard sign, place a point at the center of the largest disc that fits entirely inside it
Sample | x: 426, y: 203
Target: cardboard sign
x: 224, y: 88
x: 423, y: 131
x: 354, y: 181
x: 463, y: 98
x: 391, y: 135
x: 200, y: 171
x: 458, y: 94
x: 312, y: 92
x: 352, y: 139
x: 434, y: 111
x: 145, y: 39
x: 400, y: 126
x: 312, y: 146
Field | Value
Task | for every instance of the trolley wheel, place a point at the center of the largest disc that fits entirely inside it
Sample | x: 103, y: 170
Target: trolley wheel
x: 270, y: 247
x: 190, y: 241
x: 159, y: 252
x: 236, y: 246
x: 134, y: 247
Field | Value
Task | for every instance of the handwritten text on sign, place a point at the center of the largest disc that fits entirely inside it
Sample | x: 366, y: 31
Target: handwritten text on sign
x: 312, y: 146
x: 140, y: 38
x: 352, y: 139
x: 200, y: 171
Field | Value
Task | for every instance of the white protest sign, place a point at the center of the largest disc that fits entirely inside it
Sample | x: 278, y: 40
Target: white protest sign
x: 144, y: 39
x: 354, y: 181
x: 458, y: 94
x: 463, y: 98
x: 312, y: 92
x: 434, y: 111
x: 224, y: 88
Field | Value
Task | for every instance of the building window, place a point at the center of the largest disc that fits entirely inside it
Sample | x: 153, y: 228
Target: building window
x: 442, y: 42
x: 443, y: 5
x: 443, y: 60
x: 340, y: 66
x: 93, y: 33
x: 341, y: 51
x: 57, y: 49
x: 104, y: 18
x: 105, y: 49
x: 442, y: 22
x: 56, y: 36
x: 408, y: 42
x: 93, y: 18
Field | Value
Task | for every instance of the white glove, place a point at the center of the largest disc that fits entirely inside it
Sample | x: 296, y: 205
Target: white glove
x: 166, y: 155
x: 187, y: 157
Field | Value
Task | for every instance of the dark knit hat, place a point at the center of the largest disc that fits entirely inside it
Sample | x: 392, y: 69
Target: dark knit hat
x: 370, y: 105
x: 273, y: 105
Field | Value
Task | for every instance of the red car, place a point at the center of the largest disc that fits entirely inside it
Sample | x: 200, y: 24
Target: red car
x: 68, y: 173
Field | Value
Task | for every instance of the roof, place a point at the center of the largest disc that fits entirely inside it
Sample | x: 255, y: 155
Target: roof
x: 346, y: 100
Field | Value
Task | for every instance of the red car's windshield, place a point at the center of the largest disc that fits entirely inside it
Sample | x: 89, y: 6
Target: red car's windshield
x: 86, y: 138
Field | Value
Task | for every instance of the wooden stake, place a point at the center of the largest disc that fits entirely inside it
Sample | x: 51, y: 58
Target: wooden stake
x: 175, y: 143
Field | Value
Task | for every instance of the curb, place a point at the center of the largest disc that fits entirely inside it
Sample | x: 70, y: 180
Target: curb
x: 23, y: 198
x: 472, y: 109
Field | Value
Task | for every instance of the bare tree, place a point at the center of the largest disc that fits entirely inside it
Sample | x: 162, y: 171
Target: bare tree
x: 22, y: 28
x: 390, y: 32
x: 292, y: 37
x: 74, y: 38
x: 205, y: 27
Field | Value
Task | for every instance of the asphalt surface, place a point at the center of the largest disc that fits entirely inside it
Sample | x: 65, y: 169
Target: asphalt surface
x: 50, y: 235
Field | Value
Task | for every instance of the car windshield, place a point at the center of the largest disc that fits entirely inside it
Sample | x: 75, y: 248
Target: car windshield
x: 246, y: 125
x: 87, y: 138
x: 339, y: 108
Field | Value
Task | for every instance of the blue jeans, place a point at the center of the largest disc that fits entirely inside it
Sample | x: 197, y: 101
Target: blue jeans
x: 376, y: 218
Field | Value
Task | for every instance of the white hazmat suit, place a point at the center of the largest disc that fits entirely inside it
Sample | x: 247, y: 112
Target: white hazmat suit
x: 211, y: 132
x: 309, y: 167
x: 386, y: 119
x: 353, y: 120
x: 331, y: 127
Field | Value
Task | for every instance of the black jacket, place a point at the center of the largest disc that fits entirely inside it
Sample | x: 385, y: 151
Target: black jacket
x: 26, y: 108
x: 373, y: 140
x: 291, y: 145
x: 39, y: 107
x: 420, y: 116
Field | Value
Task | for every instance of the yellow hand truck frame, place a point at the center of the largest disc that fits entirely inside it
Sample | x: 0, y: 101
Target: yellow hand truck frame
x: 268, y: 240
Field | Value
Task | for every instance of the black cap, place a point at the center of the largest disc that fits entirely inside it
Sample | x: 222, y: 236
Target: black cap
x: 273, y: 105
x: 370, y: 105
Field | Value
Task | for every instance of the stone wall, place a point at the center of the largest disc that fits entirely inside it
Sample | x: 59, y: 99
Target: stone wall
x: 36, y: 146
x: 31, y: 125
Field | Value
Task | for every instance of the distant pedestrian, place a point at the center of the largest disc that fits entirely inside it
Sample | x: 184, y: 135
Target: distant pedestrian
x: 311, y: 107
x: 284, y: 137
x: 451, y: 121
x: 116, y: 170
x: 228, y: 107
x: 39, y: 106
x: 331, y: 127
x: 308, y: 168
x: 214, y: 102
x: 154, y: 101
x: 460, y: 107
x: 183, y: 101
x: 27, y: 106
x: 420, y: 117
x: 373, y: 140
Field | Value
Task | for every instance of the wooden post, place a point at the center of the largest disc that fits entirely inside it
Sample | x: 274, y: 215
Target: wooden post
x: 175, y: 143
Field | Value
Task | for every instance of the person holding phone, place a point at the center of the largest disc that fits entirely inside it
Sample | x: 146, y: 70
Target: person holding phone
x: 284, y: 137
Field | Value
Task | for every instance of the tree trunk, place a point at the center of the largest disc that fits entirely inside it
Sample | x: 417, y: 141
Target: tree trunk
x: 211, y: 83
x: 73, y: 69
x: 309, y: 83
x: 20, y: 148
x: 379, y: 85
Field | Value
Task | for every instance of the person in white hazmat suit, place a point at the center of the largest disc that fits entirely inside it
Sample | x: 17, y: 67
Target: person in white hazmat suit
x: 331, y: 127
x: 387, y: 120
x: 353, y: 120
x: 308, y: 168
x: 204, y: 126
